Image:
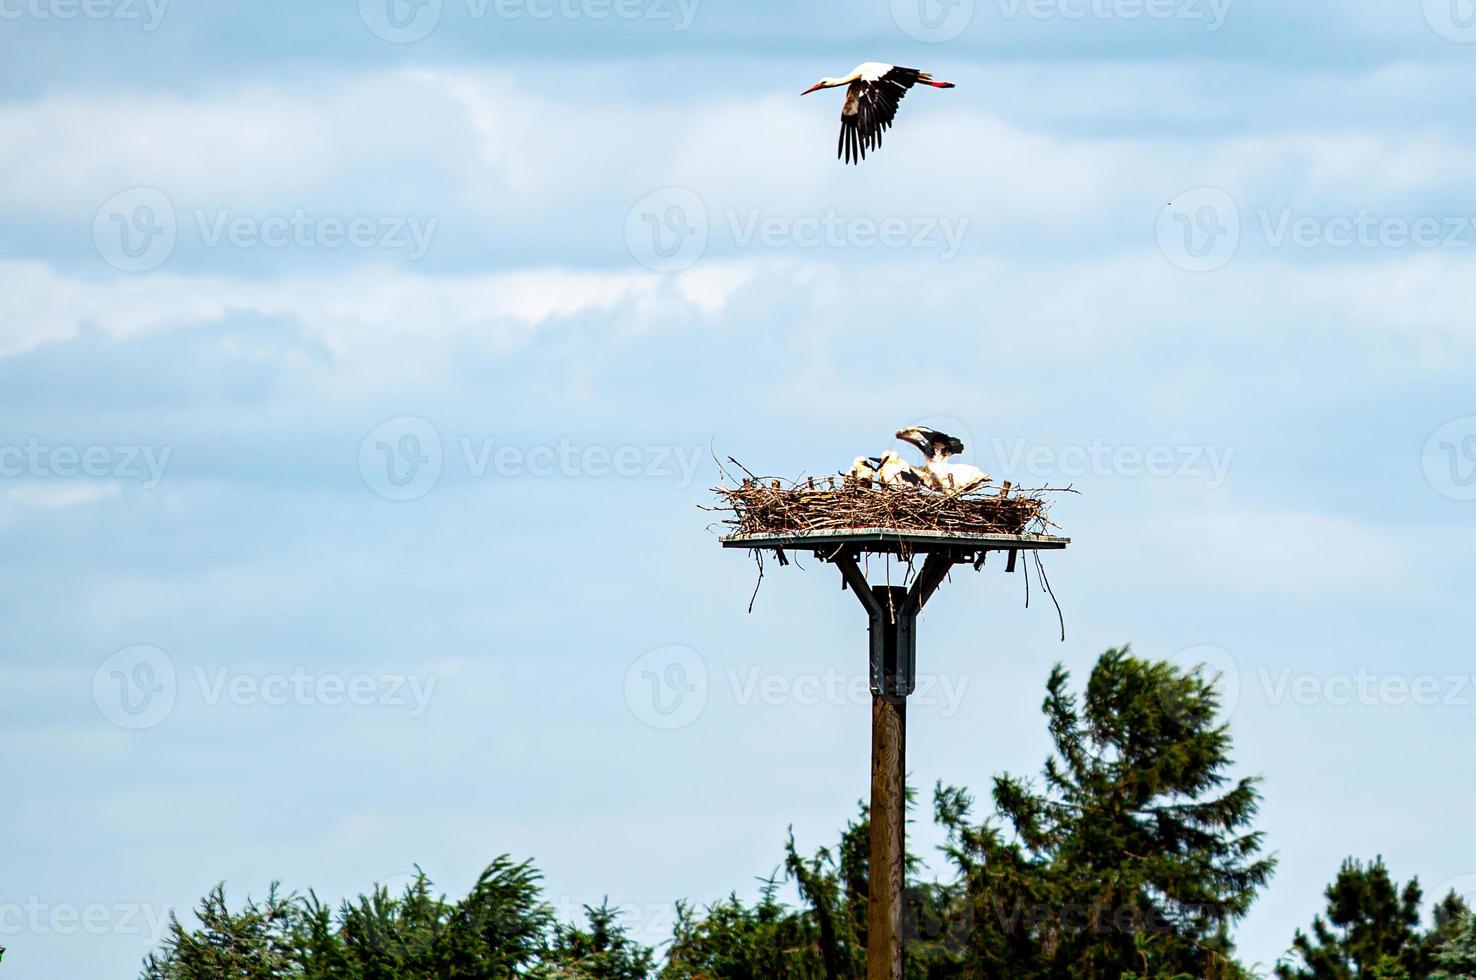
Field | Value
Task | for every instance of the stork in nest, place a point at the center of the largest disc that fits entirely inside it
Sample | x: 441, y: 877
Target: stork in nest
x: 889, y: 469
x: 938, y: 448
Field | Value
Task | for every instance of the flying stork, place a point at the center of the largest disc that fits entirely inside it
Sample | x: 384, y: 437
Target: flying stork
x: 872, y: 93
x: 937, y: 447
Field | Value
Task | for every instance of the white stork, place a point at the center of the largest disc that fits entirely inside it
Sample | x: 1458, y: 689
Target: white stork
x: 937, y: 447
x: 895, y: 471
x: 872, y: 93
x: 863, y: 469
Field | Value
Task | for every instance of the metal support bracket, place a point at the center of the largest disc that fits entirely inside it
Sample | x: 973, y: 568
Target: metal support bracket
x: 893, y: 611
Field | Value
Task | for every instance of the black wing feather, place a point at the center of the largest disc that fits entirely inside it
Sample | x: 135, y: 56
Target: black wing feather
x: 870, y: 112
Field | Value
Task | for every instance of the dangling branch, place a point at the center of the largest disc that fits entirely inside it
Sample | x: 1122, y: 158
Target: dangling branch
x: 758, y: 556
x: 1060, y: 618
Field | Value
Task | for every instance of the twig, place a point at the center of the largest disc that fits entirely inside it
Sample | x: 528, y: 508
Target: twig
x: 758, y: 556
x: 1040, y: 567
x: 742, y: 467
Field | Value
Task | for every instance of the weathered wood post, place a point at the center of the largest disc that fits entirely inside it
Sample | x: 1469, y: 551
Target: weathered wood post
x: 892, y: 611
x: 888, y: 845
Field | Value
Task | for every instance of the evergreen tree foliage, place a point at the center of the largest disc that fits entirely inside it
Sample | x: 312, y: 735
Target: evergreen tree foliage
x: 1455, y: 959
x: 1132, y: 861
x: 1132, y: 858
x: 1371, y: 928
x: 501, y: 929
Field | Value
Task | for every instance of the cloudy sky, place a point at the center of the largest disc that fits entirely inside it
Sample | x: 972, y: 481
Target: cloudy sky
x: 360, y: 364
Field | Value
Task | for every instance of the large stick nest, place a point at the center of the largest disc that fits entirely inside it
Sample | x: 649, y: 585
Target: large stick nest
x: 769, y: 506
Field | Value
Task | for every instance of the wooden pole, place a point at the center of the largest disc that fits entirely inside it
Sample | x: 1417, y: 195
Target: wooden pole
x: 893, y: 611
x: 888, y: 813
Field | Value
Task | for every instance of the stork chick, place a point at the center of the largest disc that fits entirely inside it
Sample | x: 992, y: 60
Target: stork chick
x: 937, y: 448
x: 895, y: 471
x: 863, y: 470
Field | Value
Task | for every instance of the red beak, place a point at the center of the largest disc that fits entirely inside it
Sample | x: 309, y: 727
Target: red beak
x: 812, y: 88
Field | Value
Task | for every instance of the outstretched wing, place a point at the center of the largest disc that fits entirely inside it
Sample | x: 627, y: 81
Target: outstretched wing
x: 871, y: 105
x: 952, y: 444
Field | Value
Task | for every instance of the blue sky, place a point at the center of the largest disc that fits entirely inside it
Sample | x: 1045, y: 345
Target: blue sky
x: 356, y: 395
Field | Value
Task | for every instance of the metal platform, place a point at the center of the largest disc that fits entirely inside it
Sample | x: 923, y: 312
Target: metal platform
x: 891, y: 540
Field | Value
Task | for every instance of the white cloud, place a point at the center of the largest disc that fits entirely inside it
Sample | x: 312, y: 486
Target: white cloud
x: 440, y: 141
x: 408, y: 324
x: 367, y: 319
x: 57, y: 495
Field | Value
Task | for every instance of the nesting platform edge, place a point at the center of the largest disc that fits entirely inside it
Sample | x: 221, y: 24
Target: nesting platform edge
x: 895, y: 540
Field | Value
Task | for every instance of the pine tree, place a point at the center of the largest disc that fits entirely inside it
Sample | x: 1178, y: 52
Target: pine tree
x: 253, y: 944
x: 1136, y: 855
x: 604, y: 951
x: 1371, y: 928
x: 1455, y: 959
x: 731, y: 941
x: 502, y: 929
